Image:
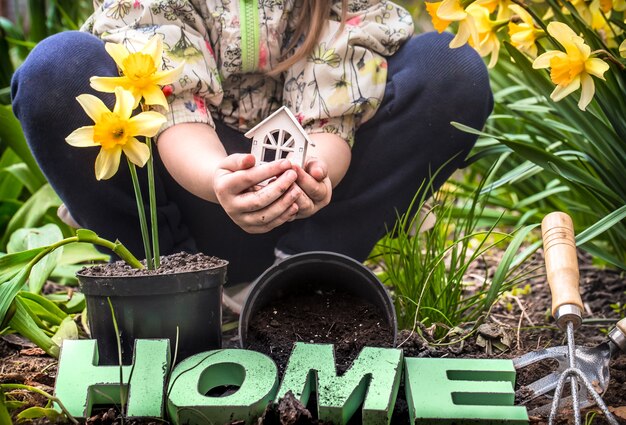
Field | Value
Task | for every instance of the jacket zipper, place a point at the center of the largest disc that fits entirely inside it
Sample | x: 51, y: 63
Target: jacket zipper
x: 249, y: 35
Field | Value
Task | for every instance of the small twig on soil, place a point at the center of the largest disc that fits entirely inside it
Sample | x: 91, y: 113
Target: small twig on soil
x: 296, y: 333
x: 493, y: 317
x: 519, y: 328
x: 49, y: 366
x: 519, y: 303
x: 330, y: 329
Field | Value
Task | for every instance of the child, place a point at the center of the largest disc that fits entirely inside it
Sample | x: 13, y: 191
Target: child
x: 376, y: 102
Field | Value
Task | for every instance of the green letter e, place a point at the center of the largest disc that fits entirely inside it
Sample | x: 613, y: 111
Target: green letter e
x: 461, y: 391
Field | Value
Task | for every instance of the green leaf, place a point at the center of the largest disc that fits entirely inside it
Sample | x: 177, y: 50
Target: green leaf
x: 10, y: 187
x: 65, y: 274
x: 33, y: 210
x: 81, y: 252
x: 507, y: 261
x: 46, y: 320
x: 40, y: 412
x: 560, y: 166
x: 67, y: 330
x: 24, y: 175
x: 26, y: 239
x: 14, y: 404
x: 38, y: 21
x: 603, y: 254
x: 10, y: 264
x: 11, y: 134
x: 72, y: 305
x: 5, y: 417
x: 23, y: 323
x: 541, y: 195
x: 488, y: 151
x: 6, y: 65
x: 9, y: 289
x: 470, y: 130
x: 46, y: 305
x: 601, y: 226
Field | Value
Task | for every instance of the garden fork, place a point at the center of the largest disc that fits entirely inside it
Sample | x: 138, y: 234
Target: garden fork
x: 588, y: 366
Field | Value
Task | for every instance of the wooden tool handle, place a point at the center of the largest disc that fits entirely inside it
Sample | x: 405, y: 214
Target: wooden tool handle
x: 559, y: 248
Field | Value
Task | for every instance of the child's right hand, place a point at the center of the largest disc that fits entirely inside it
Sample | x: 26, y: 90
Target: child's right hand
x: 256, y: 209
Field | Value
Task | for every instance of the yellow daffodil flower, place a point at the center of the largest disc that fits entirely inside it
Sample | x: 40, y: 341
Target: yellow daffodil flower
x: 622, y: 49
x: 524, y: 35
x: 439, y: 24
x: 115, y: 131
x: 487, y: 29
x: 606, y: 5
x: 601, y: 25
x: 448, y: 11
x: 572, y: 69
x: 502, y: 6
x: 616, y: 5
x: 141, y: 72
x: 582, y: 8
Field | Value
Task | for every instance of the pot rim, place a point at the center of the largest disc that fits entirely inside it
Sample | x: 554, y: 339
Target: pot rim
x: 376, y: 291
x: 153, y: 284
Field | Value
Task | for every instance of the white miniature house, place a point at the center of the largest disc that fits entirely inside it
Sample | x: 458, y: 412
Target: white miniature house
x: 278, y: 136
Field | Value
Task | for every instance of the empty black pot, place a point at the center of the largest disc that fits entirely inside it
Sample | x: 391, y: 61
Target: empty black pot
x: 316, y: 270
x: 154, y: 307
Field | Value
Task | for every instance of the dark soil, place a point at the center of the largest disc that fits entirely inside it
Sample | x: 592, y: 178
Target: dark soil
x: 319, y: 317
x: 517, y: 324
x: 176, y: 263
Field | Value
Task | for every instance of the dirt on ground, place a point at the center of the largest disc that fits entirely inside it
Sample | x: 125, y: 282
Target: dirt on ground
x: 318, y: 317
x: 518, y: 324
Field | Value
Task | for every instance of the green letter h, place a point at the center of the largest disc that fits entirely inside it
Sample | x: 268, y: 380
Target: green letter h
x: 81, y: 383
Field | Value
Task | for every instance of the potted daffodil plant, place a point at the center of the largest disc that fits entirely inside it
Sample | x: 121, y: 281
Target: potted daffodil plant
x: 177, y: 296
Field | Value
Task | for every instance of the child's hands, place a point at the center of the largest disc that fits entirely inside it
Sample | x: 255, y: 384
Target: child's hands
x: 258, y: 209
x: 316, y: 185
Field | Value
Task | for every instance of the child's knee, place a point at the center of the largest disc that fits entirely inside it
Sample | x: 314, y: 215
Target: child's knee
x: 427, y: 66
x: 56, y: 71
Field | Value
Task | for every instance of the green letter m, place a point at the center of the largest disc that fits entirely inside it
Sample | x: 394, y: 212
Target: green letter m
x: 373, y: 380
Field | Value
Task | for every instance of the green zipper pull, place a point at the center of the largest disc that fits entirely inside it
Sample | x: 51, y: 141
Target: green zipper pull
x: 249, y: 23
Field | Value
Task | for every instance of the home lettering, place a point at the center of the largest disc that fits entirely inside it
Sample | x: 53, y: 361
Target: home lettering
x: 438, y: 391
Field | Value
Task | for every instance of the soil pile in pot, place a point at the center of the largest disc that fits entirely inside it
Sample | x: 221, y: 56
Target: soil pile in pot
x: 320, y: 317
x: 181, y: 262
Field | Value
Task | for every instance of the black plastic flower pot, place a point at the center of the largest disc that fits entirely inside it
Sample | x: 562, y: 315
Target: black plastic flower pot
x: 156, y: 306
x: 316, y: 270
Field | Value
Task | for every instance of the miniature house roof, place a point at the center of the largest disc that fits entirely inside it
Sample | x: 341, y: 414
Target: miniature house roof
x: 277, y: 136
x: 281, y: 118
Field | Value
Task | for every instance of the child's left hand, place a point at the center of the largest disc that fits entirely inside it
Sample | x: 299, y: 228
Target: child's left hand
x: 314, y: 181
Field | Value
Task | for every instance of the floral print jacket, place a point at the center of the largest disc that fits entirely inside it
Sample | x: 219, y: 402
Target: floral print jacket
x: 228, y: 46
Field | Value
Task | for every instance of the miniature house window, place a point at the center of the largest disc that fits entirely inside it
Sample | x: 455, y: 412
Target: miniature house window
x: 279, y: 136
x: 278, y: 144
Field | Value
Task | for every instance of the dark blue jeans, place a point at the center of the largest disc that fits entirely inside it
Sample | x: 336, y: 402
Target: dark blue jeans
x: 410, y: 137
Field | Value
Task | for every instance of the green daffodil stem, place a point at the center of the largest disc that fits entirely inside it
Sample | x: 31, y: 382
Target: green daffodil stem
x: 497, y: 25
x: 153, y: 207
x: 142, y: 216
x: 85, y: 235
